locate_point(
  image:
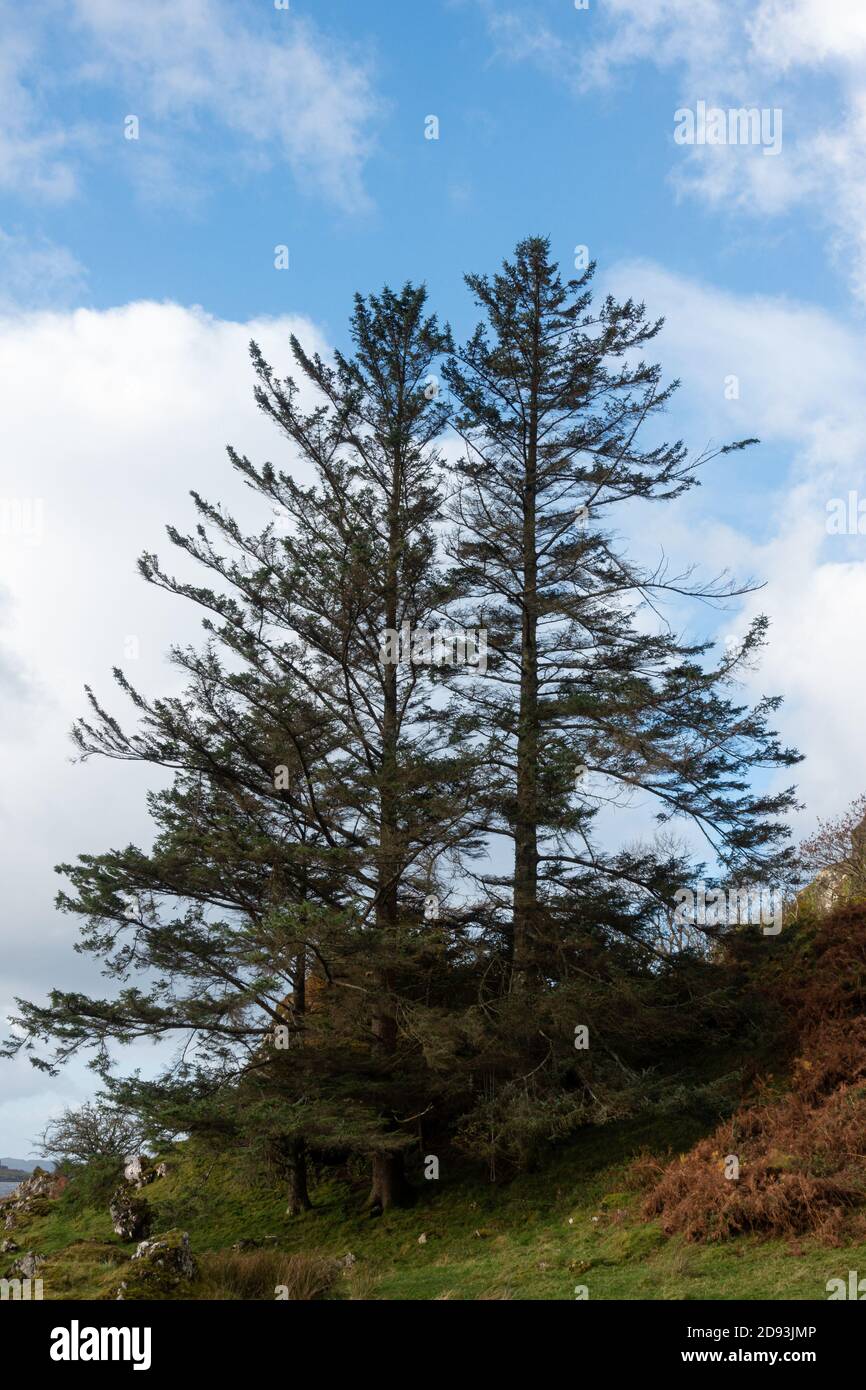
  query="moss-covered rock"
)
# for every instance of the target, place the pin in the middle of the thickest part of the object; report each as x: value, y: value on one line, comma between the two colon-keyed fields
x: 158, y: 1269
x: 30, y: 1199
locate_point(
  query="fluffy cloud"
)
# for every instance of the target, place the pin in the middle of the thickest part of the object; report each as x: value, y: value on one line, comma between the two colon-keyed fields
x: 808, y: 33
x: 287, y: 94
x: 35, y: 272
x: 734, y: 53
x: 802, y: 381
x: 34, y: 151
x: 275, y: 90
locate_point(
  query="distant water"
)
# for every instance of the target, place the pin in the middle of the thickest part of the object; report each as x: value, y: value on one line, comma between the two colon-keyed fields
x: 6, y: 1187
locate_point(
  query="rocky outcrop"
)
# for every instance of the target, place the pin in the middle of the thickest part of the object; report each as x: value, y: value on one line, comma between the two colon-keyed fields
x: 169, y: 1254
x: 131, y: 1216
x: 159, y: 1268
x: 30, y: 1198
x: 139, y: 1171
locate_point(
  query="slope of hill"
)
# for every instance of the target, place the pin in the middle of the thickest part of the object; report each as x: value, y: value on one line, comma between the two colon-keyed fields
x: 644, y: 1208
x: 579, y: 1225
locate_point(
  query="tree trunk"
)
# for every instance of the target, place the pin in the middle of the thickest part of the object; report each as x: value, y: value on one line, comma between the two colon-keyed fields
x: 390, y: 1188
x: 526, y: 820
x: 299, y: 1198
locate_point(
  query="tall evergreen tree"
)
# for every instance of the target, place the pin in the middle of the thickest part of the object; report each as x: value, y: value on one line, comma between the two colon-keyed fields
x: 306, y: 732
x: 553, y: 401
x: 361, y: 568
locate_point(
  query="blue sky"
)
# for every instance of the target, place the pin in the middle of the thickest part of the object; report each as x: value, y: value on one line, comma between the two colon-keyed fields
x: 134, y: 272
x: 192, y: 209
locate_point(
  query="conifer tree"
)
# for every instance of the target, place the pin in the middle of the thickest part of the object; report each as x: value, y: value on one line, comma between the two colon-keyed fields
x: 361, y: 568
x: 585, y: 687
x: 334, y: 793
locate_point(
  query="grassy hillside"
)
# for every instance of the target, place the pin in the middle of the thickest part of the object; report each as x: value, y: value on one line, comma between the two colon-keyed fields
x: 635, y: 1209
x: 578, y: 1223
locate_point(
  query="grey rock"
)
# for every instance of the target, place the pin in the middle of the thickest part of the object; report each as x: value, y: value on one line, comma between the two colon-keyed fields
x: 139, y: 1171
x: 27, y: 1265
x: 130, y: 1215
x: 170, y: 1254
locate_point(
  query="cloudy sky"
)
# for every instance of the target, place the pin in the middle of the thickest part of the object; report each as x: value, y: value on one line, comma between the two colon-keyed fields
x: 153, y: 157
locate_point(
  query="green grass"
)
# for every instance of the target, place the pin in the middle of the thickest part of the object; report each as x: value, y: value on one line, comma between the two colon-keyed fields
x: 538, y: 1237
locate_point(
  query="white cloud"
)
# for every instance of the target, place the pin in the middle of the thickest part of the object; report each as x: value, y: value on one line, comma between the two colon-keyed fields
x: 763, y: 513
x: 34, y: 272
x: 734, y: 53
x: 289, y: 95
x: 789, y: 33
x: 35, y: 150
x: 269, y: 90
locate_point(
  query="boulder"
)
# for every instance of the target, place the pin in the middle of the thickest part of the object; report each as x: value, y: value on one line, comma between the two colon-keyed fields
x: 158, y: 1268
x: 27, y: 1265
x: 139, y: 1171
x: 31, y: 1197
x: 169, y: 1254
x: 130, y: 1215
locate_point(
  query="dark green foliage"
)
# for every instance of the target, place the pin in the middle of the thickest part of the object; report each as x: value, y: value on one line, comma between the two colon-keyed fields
x: 91, y: 1184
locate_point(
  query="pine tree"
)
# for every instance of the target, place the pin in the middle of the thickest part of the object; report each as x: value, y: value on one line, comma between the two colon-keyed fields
x: 361, y: 559
x: 553, y: 401
x: 329, y: 789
